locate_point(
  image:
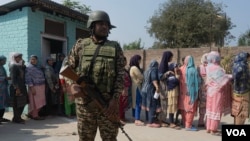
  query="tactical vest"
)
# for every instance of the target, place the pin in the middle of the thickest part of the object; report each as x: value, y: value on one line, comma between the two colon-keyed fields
x: 104, y: 69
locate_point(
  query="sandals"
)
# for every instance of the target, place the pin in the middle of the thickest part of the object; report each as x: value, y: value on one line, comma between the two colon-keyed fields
x: 38, y: 118
x: 216, y: 133
x: 4, y: 120
x: 164, y: 125
x: 139, y: 123
x: 20, y: 121
x: 29, y: 116
x: 35, y: 118
x: 191, y: 129
x: 174, y: 126
x: 201, y: 125
x: 154, y: 125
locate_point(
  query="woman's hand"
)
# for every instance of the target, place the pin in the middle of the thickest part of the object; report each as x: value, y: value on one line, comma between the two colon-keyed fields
x: 18, y: 92
x: 33, y: 90
x: 123, y: 93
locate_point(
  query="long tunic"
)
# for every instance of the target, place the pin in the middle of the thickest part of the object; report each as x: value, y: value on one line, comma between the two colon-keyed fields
x: 17, y: 74
x: 148, y: 91
x: 218, y: 92
x: 4, y: 95
x: 137, y: 78
x: 51, y: 81
x: 34, y: 77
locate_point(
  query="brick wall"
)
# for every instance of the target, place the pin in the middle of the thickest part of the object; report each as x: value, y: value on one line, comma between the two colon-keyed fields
x: 149, y: 54
x: 14, y: 25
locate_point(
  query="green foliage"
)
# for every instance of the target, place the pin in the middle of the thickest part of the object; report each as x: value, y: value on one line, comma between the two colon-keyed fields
x: 190, y: 23
x: 244, y: 39
x: 76, y: 5
x: 136, y: 45
x: 227, y: 63
x: 159, y: 45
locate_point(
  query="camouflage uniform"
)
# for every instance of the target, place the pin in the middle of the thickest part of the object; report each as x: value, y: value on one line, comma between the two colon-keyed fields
x: 89, y: 116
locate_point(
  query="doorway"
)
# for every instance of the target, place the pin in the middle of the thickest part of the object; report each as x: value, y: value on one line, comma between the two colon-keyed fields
x: 52, y: 46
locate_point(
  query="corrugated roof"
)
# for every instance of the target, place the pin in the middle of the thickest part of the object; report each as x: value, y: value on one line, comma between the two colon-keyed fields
x: 43, y: 5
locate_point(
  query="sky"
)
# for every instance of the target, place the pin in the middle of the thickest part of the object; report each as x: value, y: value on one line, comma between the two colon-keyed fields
x: 131, y: 17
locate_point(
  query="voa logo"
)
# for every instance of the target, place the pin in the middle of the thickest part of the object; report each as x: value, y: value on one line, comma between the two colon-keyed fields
x: 236, y: 132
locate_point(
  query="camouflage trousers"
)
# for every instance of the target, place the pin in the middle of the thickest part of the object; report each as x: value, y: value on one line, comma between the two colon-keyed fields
x: 89, y: 119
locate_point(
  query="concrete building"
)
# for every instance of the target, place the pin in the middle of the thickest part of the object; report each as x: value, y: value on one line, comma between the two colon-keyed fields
x: 40, y: 27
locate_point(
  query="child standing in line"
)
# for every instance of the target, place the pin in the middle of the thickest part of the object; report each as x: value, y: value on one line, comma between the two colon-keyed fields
x: 173, y: 93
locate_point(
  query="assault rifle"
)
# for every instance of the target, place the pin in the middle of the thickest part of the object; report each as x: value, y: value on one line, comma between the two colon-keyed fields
x: 90, y: 89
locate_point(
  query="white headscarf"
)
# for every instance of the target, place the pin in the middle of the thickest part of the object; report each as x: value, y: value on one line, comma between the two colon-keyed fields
x: 13, y: 55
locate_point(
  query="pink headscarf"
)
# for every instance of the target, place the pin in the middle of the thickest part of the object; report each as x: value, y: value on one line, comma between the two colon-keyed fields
x: 216, y: 76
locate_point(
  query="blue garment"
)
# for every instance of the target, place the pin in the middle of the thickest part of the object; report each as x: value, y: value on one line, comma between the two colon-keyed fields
x: 34, y: 75
x: 4, y: 94
x: 137, y: 111
x: 192, y: 79
x: 241, y: 73
x: 148, y: 90
x: 172, y: 82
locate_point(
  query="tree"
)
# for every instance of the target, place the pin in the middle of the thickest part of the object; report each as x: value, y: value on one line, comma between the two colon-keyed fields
x: 136, y: 45
x: 190, y: 23
x: 244, y: 39
x: 76, y: 5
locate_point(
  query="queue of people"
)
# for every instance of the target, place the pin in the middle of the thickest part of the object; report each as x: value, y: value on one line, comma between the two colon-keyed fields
x: 185, y: 88
x: 205, y: 90
x: 164, y: 90
x: 33, y: 85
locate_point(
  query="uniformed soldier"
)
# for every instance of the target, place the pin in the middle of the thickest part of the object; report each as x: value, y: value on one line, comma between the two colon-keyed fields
x: 107, y: 73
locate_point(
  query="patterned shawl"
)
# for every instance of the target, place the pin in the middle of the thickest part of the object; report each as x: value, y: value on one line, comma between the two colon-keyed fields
x: 241, y: 73
x: 215, y: 73
x: 219, y: 89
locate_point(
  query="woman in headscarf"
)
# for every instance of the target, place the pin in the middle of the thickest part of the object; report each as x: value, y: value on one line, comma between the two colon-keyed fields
x: 69, y: 104
x: 150, y: 90
x: 218, y: 92
x: 18, y: 91
x: 136, y: 75
x: 164, y: 72
x: 4, y: 93
x: 173, y: 94
x: 241, y: 91
x: 53, y: 106
x: 35, y: 80
x: 189, y: 86
x: 202, y: 91
x: 123, y: 105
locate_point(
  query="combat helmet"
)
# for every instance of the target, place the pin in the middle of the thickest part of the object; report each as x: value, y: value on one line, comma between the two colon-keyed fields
x: 99, y: 16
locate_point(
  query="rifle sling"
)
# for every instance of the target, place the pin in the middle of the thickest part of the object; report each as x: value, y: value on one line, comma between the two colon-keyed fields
x: 87, y: 79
